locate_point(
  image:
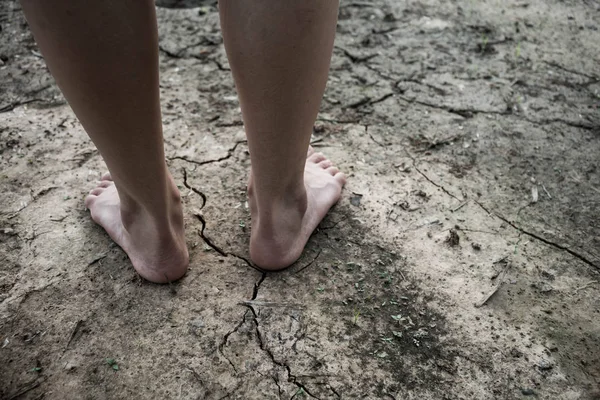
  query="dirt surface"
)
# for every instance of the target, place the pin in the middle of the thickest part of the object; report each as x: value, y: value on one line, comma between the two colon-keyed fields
x: 461, y: 263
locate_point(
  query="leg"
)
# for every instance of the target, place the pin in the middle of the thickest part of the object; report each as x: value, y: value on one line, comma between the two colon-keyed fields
x: 279, y: 53
x: 104, y: 57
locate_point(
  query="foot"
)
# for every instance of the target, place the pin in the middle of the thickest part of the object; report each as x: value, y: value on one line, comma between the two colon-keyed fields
x: 156, y: 247
x: 280, y: 233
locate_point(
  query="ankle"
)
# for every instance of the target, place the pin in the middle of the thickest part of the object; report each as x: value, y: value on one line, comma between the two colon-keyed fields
x: 161, y: 215
x: 274, y: 210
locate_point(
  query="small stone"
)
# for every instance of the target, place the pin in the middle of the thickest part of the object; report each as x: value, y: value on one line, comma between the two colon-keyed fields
x: 420, y: 333
x: 453, y: 239
x: 70, y: 366
x: 355, y: 200
x: 543, y: 287
x: 550, y: 275
x: 527, y: 392
x: 545, y: 365
x: 516, y: 353
x: 389, y: 17
x: 476, y: 246
x: 196, y: 325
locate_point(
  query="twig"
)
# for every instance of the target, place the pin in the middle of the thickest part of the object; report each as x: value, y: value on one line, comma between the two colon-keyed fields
x: 25, y: 389
x: 98, y: 258
x: 73, y: 332
x: 544, y: 187
x: 491, y: 294
x: 460, y: 206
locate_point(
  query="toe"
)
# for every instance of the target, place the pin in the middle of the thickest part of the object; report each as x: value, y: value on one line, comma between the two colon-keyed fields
x: 333, y: 170
x: 89, y: 200
x: 97, y: 191
x: 104, y: 184
x: 325, y: 164
x: 340, y: 177
x: 310, y: 151
x: 106, y: 177
x: 316, y: 157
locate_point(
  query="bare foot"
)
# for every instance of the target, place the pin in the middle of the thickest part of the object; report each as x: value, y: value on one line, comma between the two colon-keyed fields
x: 279, y: 235
x: 156, y: 248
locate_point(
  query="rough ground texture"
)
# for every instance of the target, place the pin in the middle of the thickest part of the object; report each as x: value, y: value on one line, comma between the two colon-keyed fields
x: 461, y: 263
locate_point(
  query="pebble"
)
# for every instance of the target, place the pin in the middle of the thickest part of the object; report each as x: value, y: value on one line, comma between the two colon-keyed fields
x: 545, y: 365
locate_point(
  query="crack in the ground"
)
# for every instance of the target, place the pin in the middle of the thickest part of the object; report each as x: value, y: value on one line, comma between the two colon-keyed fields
x: 339, y: 121
x: 311, y: 262
x: 201, y: 57
x: 436, y: 89
x: 371, y: 136
x: 335, y: 392
x: 248, y: 262
x: 414, y: 163
x: 226, y: 157
x: 536, y: 236
x: 367, y: 100
x: 463, y: 112
x: 573, y: 124
x: 470, y: 112
x: 192, y: 188
x: 34, y: 197
x: 235, y: 389
x: 291, y: 377
x: 571, y: 71
x: 257, y: 286
x: 178, y: 54
x: 206, y: 239
x: 218, y: 63
x: 278, y: 387
x: 218, y: 249
x: 13, y: 105
x: 355, y: 58
x: 226, y: 338
x: 229, y: 124
x: 239, y: 325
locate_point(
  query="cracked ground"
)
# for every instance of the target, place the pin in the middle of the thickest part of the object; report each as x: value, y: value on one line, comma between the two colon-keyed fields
x: 462, y: 262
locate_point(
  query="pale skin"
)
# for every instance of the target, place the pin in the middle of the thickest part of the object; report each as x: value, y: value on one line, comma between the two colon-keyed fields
x: 104, y: 57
